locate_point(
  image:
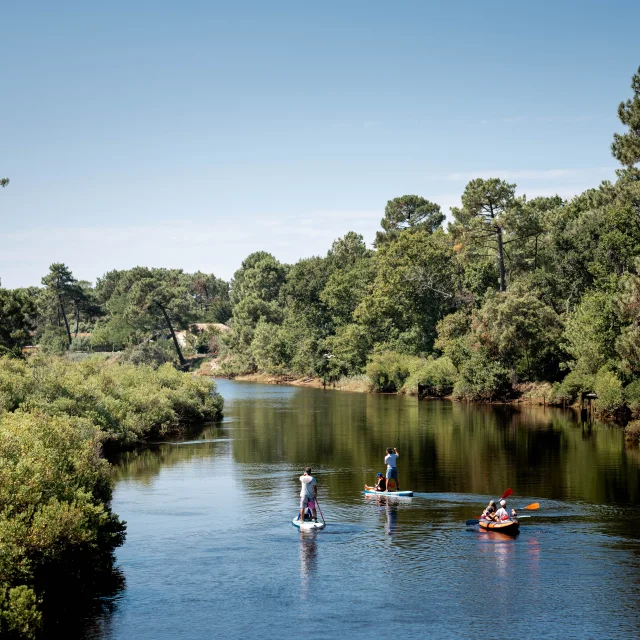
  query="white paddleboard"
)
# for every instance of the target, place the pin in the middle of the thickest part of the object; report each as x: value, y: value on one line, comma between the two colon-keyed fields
x: 307, y: 524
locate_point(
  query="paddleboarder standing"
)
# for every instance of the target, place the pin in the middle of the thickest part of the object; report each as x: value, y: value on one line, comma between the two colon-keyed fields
x: 308, y: 494
x: 392, y: 470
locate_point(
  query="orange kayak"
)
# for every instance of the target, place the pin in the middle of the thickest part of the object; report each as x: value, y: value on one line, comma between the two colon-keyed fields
x: 506, y: 526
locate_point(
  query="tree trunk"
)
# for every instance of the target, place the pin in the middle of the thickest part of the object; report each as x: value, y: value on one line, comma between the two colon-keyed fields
x: 173, y: 334
x: 64, y: 317
x: 503, y: 286
x: 77, y: 318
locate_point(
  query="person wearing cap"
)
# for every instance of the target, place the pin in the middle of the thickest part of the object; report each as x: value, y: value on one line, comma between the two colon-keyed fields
x: 501, y: 513
x: 381, y: 484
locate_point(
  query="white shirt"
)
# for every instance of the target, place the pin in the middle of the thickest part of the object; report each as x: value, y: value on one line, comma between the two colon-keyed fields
x: 502, y: 514
x: 390, y: 460
x: 308, y: 482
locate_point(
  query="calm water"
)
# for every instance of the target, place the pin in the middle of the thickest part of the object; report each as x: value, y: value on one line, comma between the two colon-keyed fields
x: 211, y: 552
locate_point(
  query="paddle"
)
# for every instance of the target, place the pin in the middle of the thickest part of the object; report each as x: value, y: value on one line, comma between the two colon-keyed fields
x: 320, y: 510
x: 531, y: 507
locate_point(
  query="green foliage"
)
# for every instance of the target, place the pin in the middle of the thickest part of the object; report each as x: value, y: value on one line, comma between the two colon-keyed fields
x: 522, y: 332
x: 632, y: 398
x: 414, y: 288
x: 482, y: 379
x: 54, y: 340
x: 153, y: 354
x: 408, y: 213
x: 437, y: 377
x: 591, y: 332
x: 626, y: 147
x: 17, y: 315
x: 572, y: 387
x: 608, y: 387
x: 632, y: 432
x: 128, y: 403
x: 54, y: 492
x: 388, y: 371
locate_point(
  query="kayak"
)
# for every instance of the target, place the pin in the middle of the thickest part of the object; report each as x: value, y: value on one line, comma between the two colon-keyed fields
x: 506, y: 526
x: 307, y: 525
x: 387, y: 493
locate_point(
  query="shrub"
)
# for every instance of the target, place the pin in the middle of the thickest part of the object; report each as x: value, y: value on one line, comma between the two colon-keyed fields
x: 54, y: 340
x: 360, y: 383
x: 632, y: 398
x: 154, y: 354
x: 81, y: 343
x: 388, y: 370
x: 609, y: 389
x: 437, y: 377
x: 482, y: 379
x: 632, y: 432
x: 572, y: 387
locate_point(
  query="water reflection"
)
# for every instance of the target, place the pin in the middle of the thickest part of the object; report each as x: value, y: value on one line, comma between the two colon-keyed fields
x: 211, y: 514
x: 308, y: 558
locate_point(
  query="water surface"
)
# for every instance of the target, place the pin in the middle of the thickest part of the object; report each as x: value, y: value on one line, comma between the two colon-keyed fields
x: 211, y: 552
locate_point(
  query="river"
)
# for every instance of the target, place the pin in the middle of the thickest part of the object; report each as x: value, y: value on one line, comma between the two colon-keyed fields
x: 211, y: 552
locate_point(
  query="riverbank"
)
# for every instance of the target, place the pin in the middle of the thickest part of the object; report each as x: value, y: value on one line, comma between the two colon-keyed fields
x: 529, y: 393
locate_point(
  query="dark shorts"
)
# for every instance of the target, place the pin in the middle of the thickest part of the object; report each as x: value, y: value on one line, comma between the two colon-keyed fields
x: 392, y: 473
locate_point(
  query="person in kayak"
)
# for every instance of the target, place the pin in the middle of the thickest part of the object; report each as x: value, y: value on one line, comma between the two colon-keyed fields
x: 490, y: 512
x: 392, y: 471
x: 381, y: 484
x: 308, y: 494
x: 502, y: 514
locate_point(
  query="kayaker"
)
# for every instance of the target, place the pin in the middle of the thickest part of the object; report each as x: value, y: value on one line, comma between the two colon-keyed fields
x: 381, y: 484
x: 392, y: 470
x: 308, y: 494
x: 501, y: 513
x: 490, y: 512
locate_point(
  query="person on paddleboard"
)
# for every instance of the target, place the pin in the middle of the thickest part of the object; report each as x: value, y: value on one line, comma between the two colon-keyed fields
x: 381, y: 484
x: 392, y: 470
x: 308, y: 494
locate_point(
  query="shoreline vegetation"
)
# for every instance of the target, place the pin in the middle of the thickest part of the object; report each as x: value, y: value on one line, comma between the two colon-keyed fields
x: 514, y: 296
x: 58, y: 533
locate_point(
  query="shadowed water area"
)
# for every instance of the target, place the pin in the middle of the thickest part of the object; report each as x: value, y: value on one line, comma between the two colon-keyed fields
x: 211, y: 552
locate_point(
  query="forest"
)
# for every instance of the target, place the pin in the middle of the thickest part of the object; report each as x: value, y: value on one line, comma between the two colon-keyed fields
x: 512, y: 291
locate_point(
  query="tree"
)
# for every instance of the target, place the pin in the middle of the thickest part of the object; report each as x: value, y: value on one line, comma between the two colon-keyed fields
x: 161, y: 298
x: 414, y: 287
x: 626, y: 147
x: 211, y: 296
x: 17, y: 316
x: 484, y: 206
x: 4, y: 182
x: 61, y: 288
x: 408, y: 212
x: 521, y: 332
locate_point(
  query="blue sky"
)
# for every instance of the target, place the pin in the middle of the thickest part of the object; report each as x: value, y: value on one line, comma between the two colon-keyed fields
x: 191, y: 134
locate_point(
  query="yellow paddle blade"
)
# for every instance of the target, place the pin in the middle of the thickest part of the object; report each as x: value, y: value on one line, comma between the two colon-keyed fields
x: 534, y: 505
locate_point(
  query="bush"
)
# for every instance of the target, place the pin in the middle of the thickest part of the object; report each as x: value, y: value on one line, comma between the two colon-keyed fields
x: 609, y: 389
x: 388, y: 371
x: 154, y: 354
x: 632, y: 398
x: 436, y: 377
x: 632, y: 432
x: 483, y: 380
x: 81, y: 343
x: 54, y: 340
x: 54, y: 495
x: 571, y: 388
